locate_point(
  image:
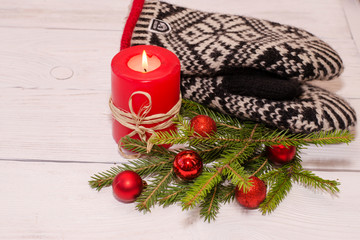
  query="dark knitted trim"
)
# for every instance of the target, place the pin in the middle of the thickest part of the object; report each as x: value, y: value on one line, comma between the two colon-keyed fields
x: 261, y: 84
x: 314, y: 110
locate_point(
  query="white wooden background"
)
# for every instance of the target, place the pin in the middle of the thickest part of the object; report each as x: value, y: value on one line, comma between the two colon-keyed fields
x: 55, y: 128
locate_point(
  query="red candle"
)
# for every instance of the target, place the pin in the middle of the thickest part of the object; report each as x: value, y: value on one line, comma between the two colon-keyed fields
x: 160, y: 78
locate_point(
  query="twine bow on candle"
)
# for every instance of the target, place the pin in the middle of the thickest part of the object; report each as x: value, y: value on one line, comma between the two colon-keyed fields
x: 136, y: 121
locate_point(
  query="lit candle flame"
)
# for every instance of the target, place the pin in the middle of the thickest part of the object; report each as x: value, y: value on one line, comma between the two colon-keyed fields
x: 144, y: 61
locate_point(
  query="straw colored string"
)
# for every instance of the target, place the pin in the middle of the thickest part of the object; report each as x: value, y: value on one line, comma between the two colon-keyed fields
x: 136, y: 121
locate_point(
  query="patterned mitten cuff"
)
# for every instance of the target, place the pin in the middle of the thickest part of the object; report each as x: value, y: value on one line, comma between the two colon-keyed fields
x: 211, y: 43
x: 314, y: 110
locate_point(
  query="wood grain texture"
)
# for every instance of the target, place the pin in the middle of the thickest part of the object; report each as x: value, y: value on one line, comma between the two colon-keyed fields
x: 55, y: 128
x: 109, y: 14
x: 352, y: 9
x: 53, y: 201
x: 75, y: 125
x: 69, y: 14
x: 39, y: 51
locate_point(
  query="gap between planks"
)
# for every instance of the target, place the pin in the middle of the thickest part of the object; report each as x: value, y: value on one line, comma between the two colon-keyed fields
x: 115, y: 164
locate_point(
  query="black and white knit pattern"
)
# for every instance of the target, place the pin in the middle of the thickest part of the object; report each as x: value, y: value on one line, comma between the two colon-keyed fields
x: 213, y: 46
x: 211, y: 43
x: 315, y: 110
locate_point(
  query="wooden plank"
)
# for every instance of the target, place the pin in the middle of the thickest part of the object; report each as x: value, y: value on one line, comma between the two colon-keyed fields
x: 57, y: 59
x: 75, y: 125
x: 70, y: 14
x: 53, y: 201
x: 109, y: 15
x: 352, y: 9
x: 314, y: 16
x: 56, y: 125
x: 76, y: 59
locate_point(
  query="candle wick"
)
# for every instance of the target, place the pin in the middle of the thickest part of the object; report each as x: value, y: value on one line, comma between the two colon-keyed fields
x: 145, y: 70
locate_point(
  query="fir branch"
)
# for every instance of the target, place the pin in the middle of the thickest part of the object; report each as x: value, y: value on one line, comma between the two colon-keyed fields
x: 258, y: 164
x: 271, y: 176
x: 260, y: 168
x: 227, y: 193
x: 200, y: 188
x: 169, y: 137
x: 282, y: 138
x: 237, y: 175
x: 208, y: 152
x: 104, y: 179
x: 226, y: 126
x: 139, y: 146
x: 147, y: 166
x: 149, y: 197
x: 171, y: 195
x: 316, y: 138
x: 210, y: 206
x: 230, y: 157
x: 231, y: 154
x: 211, y: 152
x: 277, y: 193
x: 319, y: 139
x: 255, y: 158
x: 309, y: 179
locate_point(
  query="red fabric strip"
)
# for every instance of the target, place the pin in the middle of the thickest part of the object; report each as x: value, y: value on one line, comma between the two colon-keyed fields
x: 130, y: 23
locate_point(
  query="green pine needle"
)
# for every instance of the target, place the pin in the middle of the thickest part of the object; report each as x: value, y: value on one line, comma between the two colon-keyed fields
x: 309, y: 179
x: 200, y: 188
x: 172, y: 194
x: 277, y: 193
x: 227, y: 193
x: 230, y: 156
x: 210, y: 206
x: 150, y: 196
x: 237, y: 175
x: 104, y: 179
x: 138, y: 146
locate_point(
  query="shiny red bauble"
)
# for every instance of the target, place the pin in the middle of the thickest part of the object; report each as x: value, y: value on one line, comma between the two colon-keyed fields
x: 203, y: 125
x: 280, y: 154
x: 127, y: 186
x: 254, y: 196
x: 187, y: 165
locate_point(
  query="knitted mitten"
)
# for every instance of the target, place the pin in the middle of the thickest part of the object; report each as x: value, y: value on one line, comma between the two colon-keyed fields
x: 215, y: 44
x: 245, y: 67
x: 314, y: 110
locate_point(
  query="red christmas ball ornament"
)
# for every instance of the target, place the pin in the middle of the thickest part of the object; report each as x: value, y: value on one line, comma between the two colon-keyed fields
x: 280, y: 154
x: 255, y: 194
x: 187, y: 165
x: 203, y: 125
x: 127, y: 186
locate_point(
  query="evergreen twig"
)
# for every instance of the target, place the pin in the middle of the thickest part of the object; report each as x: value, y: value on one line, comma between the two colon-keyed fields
x: 230, y: 157
x: 150, y: 196
x: 210, y: 207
